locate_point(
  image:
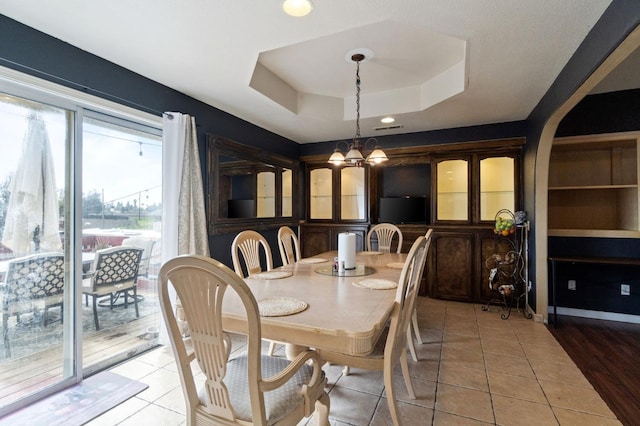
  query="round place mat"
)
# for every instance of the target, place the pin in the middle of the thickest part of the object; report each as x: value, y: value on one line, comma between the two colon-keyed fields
x: 271, y: 275
x: 312, y: 260
x: 369, y: 253
x: 376, y: 284
x: 395, y: 265
x: 280, y: 306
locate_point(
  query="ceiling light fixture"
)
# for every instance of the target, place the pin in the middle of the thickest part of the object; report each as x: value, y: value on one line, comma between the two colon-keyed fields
x: 297, y: 8
x: 387, y: 120
x: 355, y: 155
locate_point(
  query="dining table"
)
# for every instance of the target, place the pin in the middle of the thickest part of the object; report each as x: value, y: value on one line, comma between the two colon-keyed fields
x: 342, y: 311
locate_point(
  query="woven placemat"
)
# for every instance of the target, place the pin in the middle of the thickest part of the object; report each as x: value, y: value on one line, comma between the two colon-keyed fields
x: 280, y: 306
x: 369, y: 253
x: 312, y: 260
x: 395, y: 265
x: 272, y: 275
x: 376, y: 284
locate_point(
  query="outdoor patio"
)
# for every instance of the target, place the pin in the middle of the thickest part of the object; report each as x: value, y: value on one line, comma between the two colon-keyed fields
x: 36, y: 350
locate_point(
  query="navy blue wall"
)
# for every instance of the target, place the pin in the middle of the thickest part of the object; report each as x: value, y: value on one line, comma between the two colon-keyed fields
x: 24, y: 49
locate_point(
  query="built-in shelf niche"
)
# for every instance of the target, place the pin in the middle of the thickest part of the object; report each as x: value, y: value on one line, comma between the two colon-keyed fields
x: 593, y: 186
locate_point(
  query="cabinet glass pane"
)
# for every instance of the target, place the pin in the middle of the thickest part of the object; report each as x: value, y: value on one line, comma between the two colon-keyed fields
x: 453, y: 190
x: 320, y: 191
x: 287, y: 193
x: 266, y: 192
x: 352, y: 193
x: 496, y: 186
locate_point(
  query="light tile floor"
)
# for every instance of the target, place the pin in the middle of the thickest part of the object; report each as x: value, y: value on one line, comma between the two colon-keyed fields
x: 474, y: 369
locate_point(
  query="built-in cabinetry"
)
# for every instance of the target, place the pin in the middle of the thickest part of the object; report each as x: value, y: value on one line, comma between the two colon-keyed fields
x: 593, y: 186
x: 464, y: 186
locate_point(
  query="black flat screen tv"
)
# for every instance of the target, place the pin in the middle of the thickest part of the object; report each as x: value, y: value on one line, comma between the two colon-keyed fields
x: 404, y: 210
x: 241, y: 209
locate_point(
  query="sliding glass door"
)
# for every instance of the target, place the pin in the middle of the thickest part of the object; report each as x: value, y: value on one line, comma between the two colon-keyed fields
x: 75, y: 185
x: 121, y: 207
x: 36, y: 254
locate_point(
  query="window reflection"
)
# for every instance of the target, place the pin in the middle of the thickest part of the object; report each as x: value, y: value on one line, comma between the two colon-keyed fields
x: 453, y: 190
x: 496, y: 186
x: 352, y: 193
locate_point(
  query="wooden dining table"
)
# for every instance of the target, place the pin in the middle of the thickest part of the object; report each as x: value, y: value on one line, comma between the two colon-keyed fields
x: 340, y: 316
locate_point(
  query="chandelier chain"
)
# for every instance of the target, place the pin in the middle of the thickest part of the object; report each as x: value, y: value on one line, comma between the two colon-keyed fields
x: 357, y: 102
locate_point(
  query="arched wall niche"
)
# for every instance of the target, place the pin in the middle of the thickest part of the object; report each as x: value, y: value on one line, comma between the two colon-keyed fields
x: 543, y: 154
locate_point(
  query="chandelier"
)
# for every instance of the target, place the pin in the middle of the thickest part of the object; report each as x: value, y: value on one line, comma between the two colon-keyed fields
x: 356, y: 150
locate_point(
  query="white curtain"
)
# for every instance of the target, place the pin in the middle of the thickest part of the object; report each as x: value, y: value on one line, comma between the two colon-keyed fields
x: 184, y: 224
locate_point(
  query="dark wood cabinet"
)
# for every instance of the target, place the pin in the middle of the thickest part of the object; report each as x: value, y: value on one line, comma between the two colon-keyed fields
x: 484, y: 178
x: 451, y: 273
x: 316, y: 238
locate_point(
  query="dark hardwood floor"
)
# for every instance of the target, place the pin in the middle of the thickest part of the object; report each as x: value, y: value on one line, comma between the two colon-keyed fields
x: 608, y: 353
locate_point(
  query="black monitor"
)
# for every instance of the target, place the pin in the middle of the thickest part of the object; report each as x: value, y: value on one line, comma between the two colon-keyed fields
x: 399, y: 210
x: 241, y: 209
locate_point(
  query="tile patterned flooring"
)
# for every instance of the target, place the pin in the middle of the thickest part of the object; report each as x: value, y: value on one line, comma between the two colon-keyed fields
x: 474, y: 369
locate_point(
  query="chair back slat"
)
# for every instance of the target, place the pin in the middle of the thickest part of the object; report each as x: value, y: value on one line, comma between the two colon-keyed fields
x: 289, y: 245
x: 248, y: 243
x: 385, y: 232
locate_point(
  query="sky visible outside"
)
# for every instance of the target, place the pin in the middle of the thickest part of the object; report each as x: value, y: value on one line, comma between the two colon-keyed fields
x: 111, y: 157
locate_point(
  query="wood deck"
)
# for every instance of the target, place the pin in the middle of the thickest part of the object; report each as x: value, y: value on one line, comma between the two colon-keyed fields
x: 101, y: 349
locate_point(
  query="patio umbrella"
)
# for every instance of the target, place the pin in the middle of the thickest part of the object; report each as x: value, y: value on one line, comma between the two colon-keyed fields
x: 31, y: 223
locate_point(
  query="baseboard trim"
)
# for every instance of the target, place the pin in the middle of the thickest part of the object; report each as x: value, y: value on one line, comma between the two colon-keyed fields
x: 585, y: 313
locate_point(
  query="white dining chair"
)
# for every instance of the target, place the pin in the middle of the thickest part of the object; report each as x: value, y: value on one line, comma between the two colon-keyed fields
x: 392, y: 345
x: 289, y: 245
x: 246, y: 247
x: 248, y: 244
x: 248, y: 388
x: 385, y: 232
x: 414, y: 316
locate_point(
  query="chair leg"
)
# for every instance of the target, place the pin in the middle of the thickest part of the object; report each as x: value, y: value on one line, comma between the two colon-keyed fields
x: 322, y: 409
x: 135, y: 301
x: 5, y: 335
x: 391, y: 396
x: 412, y: 347
x: 95, y: 312
x: 272, y: 348
x: 404, y: 366
x: 416, y: 329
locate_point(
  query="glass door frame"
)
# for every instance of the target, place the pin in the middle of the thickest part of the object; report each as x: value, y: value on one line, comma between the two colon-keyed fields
x: 76, y: 104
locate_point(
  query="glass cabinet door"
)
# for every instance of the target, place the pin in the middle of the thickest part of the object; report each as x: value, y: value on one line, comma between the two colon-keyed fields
x: 453, y: 190
x: 266, y: 194
x: 320, y: 194
x: 287, y: 193
x: 497, y: 181
x: 352, y: 193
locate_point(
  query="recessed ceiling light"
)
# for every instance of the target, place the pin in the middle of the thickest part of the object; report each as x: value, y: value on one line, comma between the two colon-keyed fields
x: 387, y: 120
x: 297, y: 8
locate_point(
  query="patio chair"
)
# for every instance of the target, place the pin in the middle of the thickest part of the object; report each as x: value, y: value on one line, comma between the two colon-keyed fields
x: 146, y: 244
x: 414, y: 316
x: 385, y: 233
x: 32, y: 283
x: 392, y: 345
x: 234, y: 390
x: 114, y: 274
x: 248, y: 244
x: 289, y: 245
